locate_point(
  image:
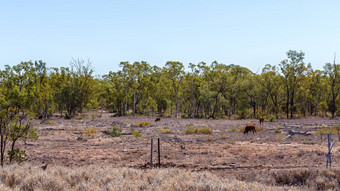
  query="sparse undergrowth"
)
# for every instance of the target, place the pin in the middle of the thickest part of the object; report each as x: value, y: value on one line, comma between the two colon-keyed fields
x: 191, y: 130
x: 308, y: 179
x: 115, y: 131
x: 90, y: 132
x: 165, y: 131
x: 143, y: 124
x: 50, y: 122
x: 105, y: 178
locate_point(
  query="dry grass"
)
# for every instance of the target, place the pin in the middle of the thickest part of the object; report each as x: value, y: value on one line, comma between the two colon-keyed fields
x: 165, y: 131
x: 191, y: 130
x: 105, y: 178
x: 308, y: 179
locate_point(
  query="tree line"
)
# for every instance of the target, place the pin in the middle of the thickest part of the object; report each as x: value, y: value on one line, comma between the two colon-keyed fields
x: 290, y: 89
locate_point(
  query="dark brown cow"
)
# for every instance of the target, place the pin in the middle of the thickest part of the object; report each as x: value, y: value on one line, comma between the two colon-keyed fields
x: 249, y: 128
x: 261, y: 120
x: 158, y: 119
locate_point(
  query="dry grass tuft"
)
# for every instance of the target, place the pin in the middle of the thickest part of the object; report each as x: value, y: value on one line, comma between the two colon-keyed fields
x: 105, y: 178
x: 165, y: 131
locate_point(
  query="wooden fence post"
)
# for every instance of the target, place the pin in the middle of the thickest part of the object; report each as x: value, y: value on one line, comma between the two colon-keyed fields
x: 159, y: 154
x: 151, y: 154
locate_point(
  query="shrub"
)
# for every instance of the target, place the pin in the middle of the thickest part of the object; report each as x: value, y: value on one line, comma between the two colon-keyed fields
x: 280, y: 138
x: 224, y: 136
x: 90, y: 132
x: 115, y: 131
x: 208, y: 138
x: 143, y: 123
x: 271, y: 118
x: 50, y: 122
x: 136, y: 134
x: 277, y: 130
x: 165, y: 131
x: 204, y: 130
x: 233, y: 129
x: 17, y: 155
x: 190, y: 130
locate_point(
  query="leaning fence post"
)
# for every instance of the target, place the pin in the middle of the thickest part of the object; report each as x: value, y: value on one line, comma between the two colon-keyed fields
x: 151, y: 154
x: 159, y: 154
x: 329, y: 159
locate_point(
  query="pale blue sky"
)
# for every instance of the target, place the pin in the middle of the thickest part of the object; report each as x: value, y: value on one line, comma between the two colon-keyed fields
x: 248, y: 33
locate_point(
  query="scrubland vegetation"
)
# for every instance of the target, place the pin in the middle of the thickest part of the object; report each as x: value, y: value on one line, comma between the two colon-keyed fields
x: 30, y: 92
x: 106, y: 178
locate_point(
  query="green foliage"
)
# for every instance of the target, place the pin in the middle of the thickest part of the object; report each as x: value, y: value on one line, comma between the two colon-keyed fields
x: 50, y: 122
x: 204, y: 130
x: 271, y: 118
x: 115, y: 131
x: 136, y: 134
x: 233, y: 129
x: 280, y: 138
x: 277, y: 130
x: 17, y: 155
x: 191, y: 130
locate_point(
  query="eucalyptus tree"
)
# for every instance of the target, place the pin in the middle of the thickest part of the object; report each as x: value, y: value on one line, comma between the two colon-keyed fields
x: 161, y: 91
x: 114, y: 92
x: 77, y: 86
x: 271, y: 82
x: 332, y: 72
x: 14, y: 110
x: 217, y: 82
x: 315, y: 90
x: 174, y: 72
x: 294, y: 71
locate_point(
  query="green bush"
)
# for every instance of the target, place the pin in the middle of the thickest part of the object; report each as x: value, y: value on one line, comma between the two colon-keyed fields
x: 204, y: 130
x: 191, y: 130
x: 50, y: 122
x: 277, y: 130
x: 115, y: 131
x: 17, y: 155
x: 136, y: 134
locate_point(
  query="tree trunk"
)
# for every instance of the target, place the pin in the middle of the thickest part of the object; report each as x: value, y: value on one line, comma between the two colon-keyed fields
x: 134, y: 100
x: 125, y: 107
x: 292, y: 105
x: 192, y: 98
x: 176, y: 104
x: 12, y: 151
x: 2, y: 149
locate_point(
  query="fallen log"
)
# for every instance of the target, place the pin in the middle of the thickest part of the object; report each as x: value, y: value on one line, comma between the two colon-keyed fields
x: 292, y: 132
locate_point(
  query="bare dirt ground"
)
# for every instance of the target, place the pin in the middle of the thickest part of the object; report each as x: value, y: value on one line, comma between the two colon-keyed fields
x: 224, y: 152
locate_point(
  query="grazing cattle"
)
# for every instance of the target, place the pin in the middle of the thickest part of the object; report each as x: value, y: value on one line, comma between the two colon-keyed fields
x: 261, y: 120
x: 158, y: 119
x: 249, y: 128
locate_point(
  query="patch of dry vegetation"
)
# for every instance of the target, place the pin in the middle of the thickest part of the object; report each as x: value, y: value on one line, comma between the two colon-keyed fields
x: 105, y: 178
x: 191, y: 130
x: 308, y: 179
